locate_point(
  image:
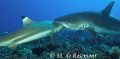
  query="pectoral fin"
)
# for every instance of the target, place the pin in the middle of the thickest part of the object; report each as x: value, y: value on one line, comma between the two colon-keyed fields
x: 52, y: 35
x: 13, y: 47
x: 92, y: 32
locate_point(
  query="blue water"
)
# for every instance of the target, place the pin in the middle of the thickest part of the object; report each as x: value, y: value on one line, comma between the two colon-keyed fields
x: 39, y: 10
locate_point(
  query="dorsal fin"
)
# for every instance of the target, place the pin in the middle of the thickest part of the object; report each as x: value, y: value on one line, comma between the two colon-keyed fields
x: 26, y: 21
x: 108, y: 8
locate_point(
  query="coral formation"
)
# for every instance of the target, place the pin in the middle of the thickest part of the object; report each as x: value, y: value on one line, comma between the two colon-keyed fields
x: 66, y: 46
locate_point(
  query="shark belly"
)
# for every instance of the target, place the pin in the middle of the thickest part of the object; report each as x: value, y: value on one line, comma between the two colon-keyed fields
x: 102, y: 30
x: 34, y: 37
x: 24, y: 40
x: 6, y: 43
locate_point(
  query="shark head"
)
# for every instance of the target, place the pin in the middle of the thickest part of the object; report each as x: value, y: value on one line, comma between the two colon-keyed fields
x: 83, y: 20
x: 69, y: 21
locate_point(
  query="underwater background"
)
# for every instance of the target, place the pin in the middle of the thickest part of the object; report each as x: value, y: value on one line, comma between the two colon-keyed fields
x: 67, y: 41
x: 38, y: 10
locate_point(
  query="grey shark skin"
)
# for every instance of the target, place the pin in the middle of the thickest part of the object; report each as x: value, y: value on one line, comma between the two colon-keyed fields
x: 94, y: 22
x: 30, y: 31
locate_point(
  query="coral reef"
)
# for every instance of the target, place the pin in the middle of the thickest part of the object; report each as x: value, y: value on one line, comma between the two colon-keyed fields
x: 68, y: 44
x: 25, y: 52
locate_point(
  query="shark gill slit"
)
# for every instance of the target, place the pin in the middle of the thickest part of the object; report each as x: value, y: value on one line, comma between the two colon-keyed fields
x: 84, y: 25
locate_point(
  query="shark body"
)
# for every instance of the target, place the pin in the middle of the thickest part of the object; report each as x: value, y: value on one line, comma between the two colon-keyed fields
x: 94, y: 22
x: 30, y: 31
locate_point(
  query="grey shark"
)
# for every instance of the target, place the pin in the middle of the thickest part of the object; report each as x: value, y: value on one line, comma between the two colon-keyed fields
x: 30, y: 31
x: 94, y: 22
